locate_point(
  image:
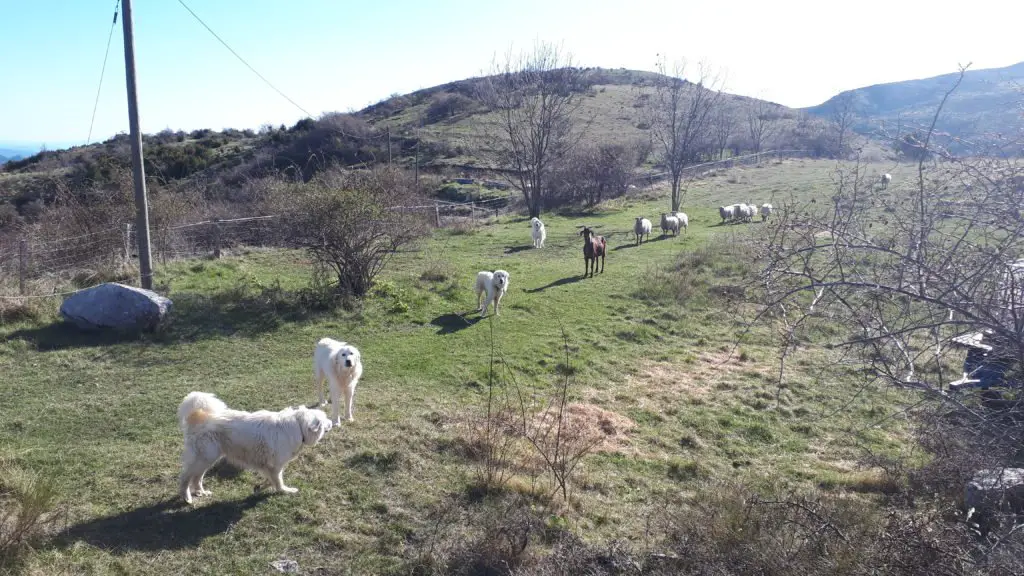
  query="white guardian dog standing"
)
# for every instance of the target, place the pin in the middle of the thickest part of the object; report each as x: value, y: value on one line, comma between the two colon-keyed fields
x: 494, y: 285
x: 263, y: 441
x: 342, y: 365
x: 538, y: 233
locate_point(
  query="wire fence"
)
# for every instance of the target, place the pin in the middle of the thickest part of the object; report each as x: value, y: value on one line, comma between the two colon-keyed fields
x: 40, y: 265
x: 37, y: 266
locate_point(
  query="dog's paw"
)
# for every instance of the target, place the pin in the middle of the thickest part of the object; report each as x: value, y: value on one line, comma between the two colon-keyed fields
x: 351, y: 418
x: 204, y: 493
x: 289, y: 490
x: 336, y: 422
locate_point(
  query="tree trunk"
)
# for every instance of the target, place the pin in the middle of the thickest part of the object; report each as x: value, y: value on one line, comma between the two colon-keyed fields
x: 676, y: 200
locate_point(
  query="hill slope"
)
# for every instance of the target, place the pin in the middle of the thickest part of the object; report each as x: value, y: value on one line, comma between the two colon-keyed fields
x: 987, y: 102
x: 439, y: 127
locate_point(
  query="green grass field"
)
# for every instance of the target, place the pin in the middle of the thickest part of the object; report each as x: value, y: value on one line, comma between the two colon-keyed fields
x: 661, y: 340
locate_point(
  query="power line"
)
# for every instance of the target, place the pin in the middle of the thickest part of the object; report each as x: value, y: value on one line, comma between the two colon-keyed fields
x: 242, y: 60
x: 102, y: 71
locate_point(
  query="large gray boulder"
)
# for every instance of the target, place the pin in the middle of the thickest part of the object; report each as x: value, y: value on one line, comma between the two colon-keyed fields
x: 995, y: 489
x: 116, y: 306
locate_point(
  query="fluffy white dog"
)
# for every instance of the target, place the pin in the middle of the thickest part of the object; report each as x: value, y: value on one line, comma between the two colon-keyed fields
x: 538, y: 233
x: 341, y: 364
x: 263, y: 441
x: 494, y: 284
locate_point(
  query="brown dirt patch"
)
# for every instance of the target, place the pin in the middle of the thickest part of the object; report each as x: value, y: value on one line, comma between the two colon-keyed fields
x: 586, y: 425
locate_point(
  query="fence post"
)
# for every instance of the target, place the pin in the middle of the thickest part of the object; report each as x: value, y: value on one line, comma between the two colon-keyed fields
x: 216, y: 237
x: 22, y: 265
x: 128, y: 242
x: 437, y: 214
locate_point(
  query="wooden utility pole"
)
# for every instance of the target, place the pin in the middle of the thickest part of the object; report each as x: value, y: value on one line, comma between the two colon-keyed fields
x: 138, y: 172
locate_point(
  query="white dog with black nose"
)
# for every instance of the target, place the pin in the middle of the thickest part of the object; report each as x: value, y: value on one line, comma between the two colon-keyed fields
x: 342, y: 365
x: 263, y: 441
x: 494, y: 285
x: 538, y: 233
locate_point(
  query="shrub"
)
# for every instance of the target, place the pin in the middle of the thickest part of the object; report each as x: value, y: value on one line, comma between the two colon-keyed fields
x: 28, y: 509
x: 348, y: 222
x: 592, y: 175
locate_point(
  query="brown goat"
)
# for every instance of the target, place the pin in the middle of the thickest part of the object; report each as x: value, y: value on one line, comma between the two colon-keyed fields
x: 594, y: 247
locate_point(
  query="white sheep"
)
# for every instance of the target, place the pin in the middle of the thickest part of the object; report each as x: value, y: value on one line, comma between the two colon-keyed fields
x: 640, y: 227
x: 766, y: 211
x: 886, y: 178
x: 684, y: 220
x: 726, y: 212
x: 742, y: 211
x: 538, y: 232
x: 669, y: 223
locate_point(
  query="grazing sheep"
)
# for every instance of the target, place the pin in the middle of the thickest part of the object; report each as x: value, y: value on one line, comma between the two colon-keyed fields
x: 684, y: 220
x: 594, y: 247
x: 669, y: 223
x: 641, y: 227
x: 726, y: 212
x: 538, y: 233
x: 740, y: 214
x: 766, y: 211
x: 886, y: 179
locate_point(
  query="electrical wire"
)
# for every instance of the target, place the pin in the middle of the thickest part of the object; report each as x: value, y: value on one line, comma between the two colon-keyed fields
x: 242, y: 60
x: 106, y: 54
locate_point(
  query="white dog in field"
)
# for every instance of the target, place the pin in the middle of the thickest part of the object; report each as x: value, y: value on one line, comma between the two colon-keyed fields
x: 538, y: 233
x: 263, y: 441
x: 341, y: 364
x: 494, y: 285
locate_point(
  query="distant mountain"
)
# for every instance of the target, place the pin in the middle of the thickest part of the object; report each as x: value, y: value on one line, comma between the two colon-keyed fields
x: 15, y: 153
x: 988, y: 102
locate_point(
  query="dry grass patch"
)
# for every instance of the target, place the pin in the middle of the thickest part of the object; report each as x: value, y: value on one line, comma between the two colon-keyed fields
x: 589, y: 424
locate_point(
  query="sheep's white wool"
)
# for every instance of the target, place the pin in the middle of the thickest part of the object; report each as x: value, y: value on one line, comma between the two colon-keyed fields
x: 342, y: 365
x: 263, y: 441
x: 727, y: 212
x: 538, y: 232
x: 642, y: 227
x: 684, y: 220
x: 494, y: 285
x: 669, y: 223
x: 766, y: 211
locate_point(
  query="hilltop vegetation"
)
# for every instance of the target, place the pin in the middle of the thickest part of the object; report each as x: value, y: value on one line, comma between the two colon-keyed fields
x: 442, y: 130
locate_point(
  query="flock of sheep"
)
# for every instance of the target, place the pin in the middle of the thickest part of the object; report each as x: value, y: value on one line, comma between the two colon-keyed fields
x: 744, y: 212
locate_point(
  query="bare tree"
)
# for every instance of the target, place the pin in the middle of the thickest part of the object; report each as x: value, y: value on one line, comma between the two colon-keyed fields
x: 680, y: 113
x: 350, y: 222
x: 762, y: 119
x: 909, y: 281
x: 843, y: 115
x: 537, y: 97
x: 723, y: 126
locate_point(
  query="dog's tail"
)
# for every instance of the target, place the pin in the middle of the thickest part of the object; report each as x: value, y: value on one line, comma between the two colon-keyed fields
x: 196, y: 408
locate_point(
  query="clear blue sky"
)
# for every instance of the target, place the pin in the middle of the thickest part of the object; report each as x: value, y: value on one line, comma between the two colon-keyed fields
x: 332, y: 55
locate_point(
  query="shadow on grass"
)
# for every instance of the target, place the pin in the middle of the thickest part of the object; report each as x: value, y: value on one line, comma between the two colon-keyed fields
x: 647, y: 240
x: 555, y: 284
x: 517, y: 249
x: 231, y: 312
x: 167, y: 525
x: 450, y: 323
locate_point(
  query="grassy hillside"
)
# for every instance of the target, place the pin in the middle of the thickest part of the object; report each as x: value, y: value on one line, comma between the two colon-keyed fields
x: 988, y: 102
x: 440, y: 128
x: 665, y: 368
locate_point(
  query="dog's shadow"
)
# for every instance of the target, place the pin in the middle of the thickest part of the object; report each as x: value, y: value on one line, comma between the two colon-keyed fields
x: 166, y: 525
x: 555, y: 284
x: 451, y: 323
x: 517, y: 249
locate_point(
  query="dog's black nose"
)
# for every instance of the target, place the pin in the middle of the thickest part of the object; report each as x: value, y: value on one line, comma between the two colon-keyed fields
x: 348, y: 363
